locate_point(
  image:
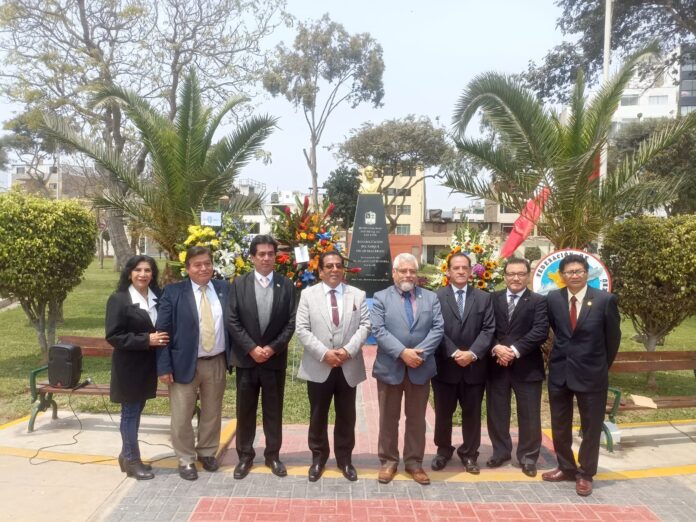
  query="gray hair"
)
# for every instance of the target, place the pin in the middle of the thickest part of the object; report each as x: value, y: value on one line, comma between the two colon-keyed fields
x: 404, y: 258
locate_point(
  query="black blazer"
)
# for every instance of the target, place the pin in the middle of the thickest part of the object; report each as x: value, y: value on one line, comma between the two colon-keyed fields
x: 472, y: 332
x: 243, y: 321
x: 133, y: 364
x: 526, y: 331
x: 580, y: 359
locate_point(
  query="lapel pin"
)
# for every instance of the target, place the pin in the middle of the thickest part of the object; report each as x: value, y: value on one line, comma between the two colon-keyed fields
x: 589, y: 303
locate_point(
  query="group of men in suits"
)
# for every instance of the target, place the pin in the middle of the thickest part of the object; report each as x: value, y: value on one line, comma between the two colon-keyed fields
x: 466, y: 341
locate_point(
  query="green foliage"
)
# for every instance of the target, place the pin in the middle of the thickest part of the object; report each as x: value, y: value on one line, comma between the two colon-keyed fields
x: 325, y: 57
x: 532, y: 253
x: 342, y: 188
x: 536, y: 151
x: 677, y: 160
x: 633, y: 23
x: 189, y: 172
x: 653, y: 264
x: 45, y: 246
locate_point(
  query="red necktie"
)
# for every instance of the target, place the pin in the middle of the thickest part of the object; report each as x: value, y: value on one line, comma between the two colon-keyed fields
x: 573, y: 313
x: 334, y: 307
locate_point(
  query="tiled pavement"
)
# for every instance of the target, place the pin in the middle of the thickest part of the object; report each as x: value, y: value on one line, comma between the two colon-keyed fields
x: 504, y: 494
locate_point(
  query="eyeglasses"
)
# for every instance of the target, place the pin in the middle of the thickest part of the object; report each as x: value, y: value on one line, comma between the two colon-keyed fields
x: 570, y: 273
x: 332, y: 266
x: 407, y: 271
x: 512, y: 275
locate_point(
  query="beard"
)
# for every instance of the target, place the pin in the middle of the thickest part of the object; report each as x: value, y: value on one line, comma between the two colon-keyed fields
x: 405, y: 286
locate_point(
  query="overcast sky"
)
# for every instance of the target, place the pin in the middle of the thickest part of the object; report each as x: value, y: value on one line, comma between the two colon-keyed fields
x: 432, y: 49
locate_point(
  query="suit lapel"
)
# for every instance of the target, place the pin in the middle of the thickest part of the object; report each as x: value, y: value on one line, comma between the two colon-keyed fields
x: 402, y: 311
x: 468, y: 303
x: 347, y: 309
x: 565, y: 316
x: 190, y: 299
x: 251, y: 305
x: 522, y: 302
x: 586, y: 306
x: 318, y: 295
x: 452, y: 302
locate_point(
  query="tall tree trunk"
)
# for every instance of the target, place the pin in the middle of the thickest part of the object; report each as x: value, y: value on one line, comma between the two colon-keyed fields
x: 36, y: 313
x: 650, y: 343
x: 55, y: 313
x: 119, y: 240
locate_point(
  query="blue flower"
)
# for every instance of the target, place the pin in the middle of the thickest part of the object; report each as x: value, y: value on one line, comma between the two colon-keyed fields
x: 307, y: 277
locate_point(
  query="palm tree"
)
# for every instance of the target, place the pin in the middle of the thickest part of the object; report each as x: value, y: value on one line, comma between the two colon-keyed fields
x: 187, y: 171
x: 537, y: 151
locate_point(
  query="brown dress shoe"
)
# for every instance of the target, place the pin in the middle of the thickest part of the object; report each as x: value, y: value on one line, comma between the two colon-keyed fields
x: 583, y: 487
x: 556, y: 475
x: 386, y: 474
x: 419, y: 476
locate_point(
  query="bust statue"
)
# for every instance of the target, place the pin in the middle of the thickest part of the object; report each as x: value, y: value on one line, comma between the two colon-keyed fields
x: 369, y: 185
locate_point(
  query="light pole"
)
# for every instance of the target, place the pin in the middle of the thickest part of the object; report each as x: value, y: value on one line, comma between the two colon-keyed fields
x: 605, y: 78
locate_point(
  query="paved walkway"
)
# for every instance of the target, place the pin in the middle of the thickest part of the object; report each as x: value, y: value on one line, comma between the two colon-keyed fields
x: 652, y: 476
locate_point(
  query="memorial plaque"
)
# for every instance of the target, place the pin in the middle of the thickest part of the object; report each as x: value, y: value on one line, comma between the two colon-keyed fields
x: 369, y: 246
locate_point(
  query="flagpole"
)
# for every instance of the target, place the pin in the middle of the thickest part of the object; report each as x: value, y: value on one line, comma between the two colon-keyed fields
x: 605, y: 78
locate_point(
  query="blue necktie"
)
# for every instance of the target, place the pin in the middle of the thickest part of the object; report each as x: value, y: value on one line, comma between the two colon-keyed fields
x: 408, y: 307
x: 460, y: 302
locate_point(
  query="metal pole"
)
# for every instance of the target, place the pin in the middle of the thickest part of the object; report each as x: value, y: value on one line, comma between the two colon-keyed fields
x: 605, y: 78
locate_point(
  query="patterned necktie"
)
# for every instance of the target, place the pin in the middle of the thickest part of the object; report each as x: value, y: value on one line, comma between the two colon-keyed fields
x: 207, y: 327
x: 511, y: 305
x: 460, y: 302
x: 334, y: 308
x: 264, y: 281
x: 408, y: 307
x: 573, y: 313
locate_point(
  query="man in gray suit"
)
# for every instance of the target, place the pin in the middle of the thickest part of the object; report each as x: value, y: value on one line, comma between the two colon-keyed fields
x: 332, y: 323
x: 408, y: 325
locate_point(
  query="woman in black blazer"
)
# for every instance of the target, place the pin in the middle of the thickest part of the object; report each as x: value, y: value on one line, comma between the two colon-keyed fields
x: 131, y: 313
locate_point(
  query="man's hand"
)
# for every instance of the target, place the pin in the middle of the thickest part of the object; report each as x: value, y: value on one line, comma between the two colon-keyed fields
x: 464, y: 358
x: 167, y: 378
x: 260, y: 355
x: 412, y: 357
x: 342, y: 354
x: 504, y: 354
x: 332, y: 358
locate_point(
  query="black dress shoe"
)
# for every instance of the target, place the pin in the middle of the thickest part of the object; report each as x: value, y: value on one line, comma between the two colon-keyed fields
x: 470, y: 465
x: 315, y: 472
x: 439, y: 462
x: 241, y: 470
x: 277, y: 467
x: 529, y: 469
x: 188, y: 472
x: 349, y: 472
x: 122, y: 463
x: 209, y: 463
x: 496, y: 462
x: 135, y: 469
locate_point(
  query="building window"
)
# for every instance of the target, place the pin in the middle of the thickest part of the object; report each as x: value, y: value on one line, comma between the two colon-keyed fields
x: 398, y: 192
x: 687, y: 109
x: 629, y: 100
x: 403, y: 230
x: 20, y: 170
x: 507, y: 228
x: 53, y: 170
x: 400, y: 210
x: 388, y: 171
x: 411, y: 171
x: 439, y: 227
x: 506, y: 210
x: 53, y: 186
x: 657, y: 100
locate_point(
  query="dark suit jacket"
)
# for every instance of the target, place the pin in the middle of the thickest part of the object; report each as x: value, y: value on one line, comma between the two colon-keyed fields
x: 526, y: 331
x: 243, y: 322
x: 472, y: 332
x: 133, y: 363
x: 580, y: 359
x: 178, y: 316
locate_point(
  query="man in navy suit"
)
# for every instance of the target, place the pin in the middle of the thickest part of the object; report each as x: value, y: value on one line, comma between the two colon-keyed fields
x: 521, y: 327
x: 194, y: 362
x: 587, y: 333
x: 407, y: 323
x: 461, y: 363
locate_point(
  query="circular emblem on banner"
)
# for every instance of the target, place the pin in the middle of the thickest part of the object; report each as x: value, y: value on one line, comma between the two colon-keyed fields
x: 547, y: 275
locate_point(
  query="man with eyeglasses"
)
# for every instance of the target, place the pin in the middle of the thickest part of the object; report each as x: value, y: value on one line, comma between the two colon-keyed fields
x: 407, y: 323
x: 332, y: 324
x: 461, y: 362
x: 587, y: 329
x: 521, y: 327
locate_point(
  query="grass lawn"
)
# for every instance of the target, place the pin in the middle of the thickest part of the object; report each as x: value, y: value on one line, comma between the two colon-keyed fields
x: 84, y: 315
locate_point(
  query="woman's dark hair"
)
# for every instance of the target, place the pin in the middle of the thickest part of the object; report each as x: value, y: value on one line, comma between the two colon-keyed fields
x: 125, y: 281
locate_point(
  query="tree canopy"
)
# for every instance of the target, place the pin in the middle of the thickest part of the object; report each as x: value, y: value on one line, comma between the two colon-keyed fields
x: 325, y: 68
x: 45, y: 247
x: 538, y: 154
x: 342, y: 188
x: 634, y: 24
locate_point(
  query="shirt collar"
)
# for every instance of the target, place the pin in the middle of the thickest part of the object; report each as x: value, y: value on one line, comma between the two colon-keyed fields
x: 580, y: 296
x: 259, y: 276
x: 327, y: 289
x: 137, y: 298
x: 455, y: 290
x: 196, y: 286
x: 509, y: 293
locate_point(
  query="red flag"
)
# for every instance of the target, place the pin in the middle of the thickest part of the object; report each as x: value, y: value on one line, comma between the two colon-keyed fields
x: 525, y: 223
x: 595, y: 172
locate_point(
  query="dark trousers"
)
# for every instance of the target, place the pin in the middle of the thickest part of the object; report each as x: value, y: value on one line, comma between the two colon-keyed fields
x: 271, y: 385
x: 320, y: 396
x: 499, y: 390
x: 469, y: 397
x: 592, y: 408
x: 130, y: 424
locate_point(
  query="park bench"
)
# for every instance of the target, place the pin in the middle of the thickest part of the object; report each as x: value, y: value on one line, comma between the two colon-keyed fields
x: 635, y: 362
x: 42, y: 392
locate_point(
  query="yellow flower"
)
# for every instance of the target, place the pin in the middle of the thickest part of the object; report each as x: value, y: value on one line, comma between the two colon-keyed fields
x: 443, y: 266
x: 182, y: 256
x: 481, y: 284
x: 303, y: 235
x: 456, y: 249
x: 290, y: 275
x: 239, y: 262
x: 315, y: 229
x: 192, y: 229
x: 487, y: 275
x: 215, y: 243
x: 490, y: 265
x: 478, y: 249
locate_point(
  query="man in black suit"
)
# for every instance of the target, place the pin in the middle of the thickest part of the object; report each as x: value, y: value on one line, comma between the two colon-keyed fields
x: 461, y: 363
x: 587, y: 329
x: 521, y: 327
x: 261, y: 322
x: 193, y: 363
